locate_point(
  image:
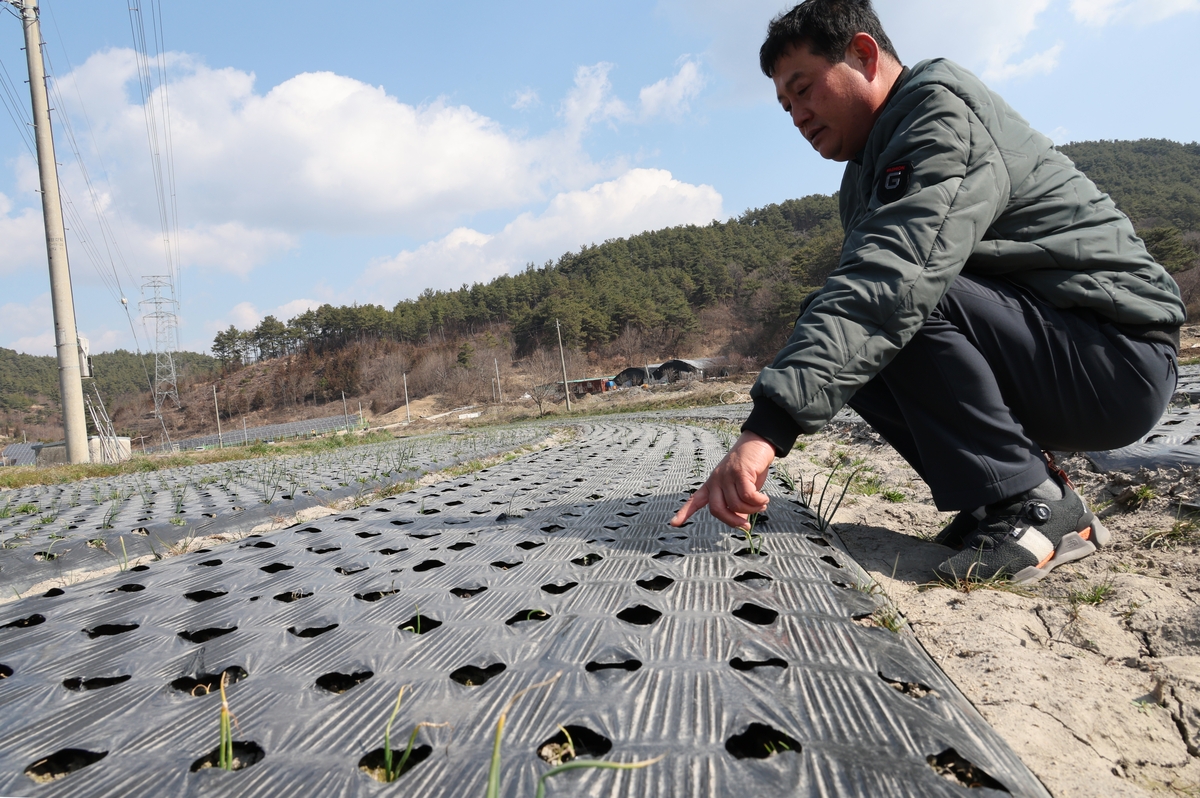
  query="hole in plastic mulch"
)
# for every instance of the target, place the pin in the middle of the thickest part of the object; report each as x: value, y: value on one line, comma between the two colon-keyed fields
x: 419, y: 624
x: 373, y: 764
x: 558, y: 590
x: 291, y: 595
x: 528, y: 615
x: 831, y: 561
x: 110, y: 629
x: 588, y: 559
x: 262, y: 544
x: 341, y: 682
x: 205, y: 683
x: 460, y: 546
x: 630, y: 665
x: 276, y: 567
x: 528, y: 545
x: 54, y: 591
x: 552, y: 528
x: 204, y: 595
x: 467, y: 592
x: 22, y: 623
x: 132, y: 587
x: 365, y: 535
x: 350, y: 570
x: 756, y: 614
x: 206, y: 564
x: 5, y: 671
x: 471, y: 676
x: 79, y: 684
x: 760, y: 741
x: 311, y: 631
x: 428, y: 565
x: 556, y: 750
x: 657, y: 584
x: 641, y: 615
x: 245, y: 754
x: 324, y: 549
x: 666, y: 555
x: 739, y: 664
x: 204, y: 635
x: 914, y: 689
x: 950, y: 765
x: 503, y: 566
x: 62, y: 763
x: 750, y: 577
x: 375, y: 595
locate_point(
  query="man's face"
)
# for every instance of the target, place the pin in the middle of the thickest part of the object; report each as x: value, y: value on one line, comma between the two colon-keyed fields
x: 830, y: 103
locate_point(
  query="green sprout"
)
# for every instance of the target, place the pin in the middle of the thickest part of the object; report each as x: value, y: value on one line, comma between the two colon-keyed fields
x: 225, y: 748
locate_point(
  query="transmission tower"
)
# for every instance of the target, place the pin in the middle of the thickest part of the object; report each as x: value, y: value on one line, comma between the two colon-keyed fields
x: 163, y: 307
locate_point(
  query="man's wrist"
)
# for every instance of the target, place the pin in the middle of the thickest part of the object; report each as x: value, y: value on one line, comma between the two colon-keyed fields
x: 772, y: 423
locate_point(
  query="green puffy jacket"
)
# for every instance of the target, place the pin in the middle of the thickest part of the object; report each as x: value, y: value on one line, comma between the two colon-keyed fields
x: 952, y: 180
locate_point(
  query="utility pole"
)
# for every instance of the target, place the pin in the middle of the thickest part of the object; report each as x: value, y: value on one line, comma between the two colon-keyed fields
x: 563, y: 359
x: 220, y: 442
x: 498, y: 386
x: 407, y: 414
x: 66, y: 338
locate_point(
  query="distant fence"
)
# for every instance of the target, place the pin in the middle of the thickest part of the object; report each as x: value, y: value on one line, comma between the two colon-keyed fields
x: 238, y: 436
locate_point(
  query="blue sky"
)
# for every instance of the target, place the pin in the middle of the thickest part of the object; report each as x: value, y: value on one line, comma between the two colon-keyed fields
x: 366, y: 152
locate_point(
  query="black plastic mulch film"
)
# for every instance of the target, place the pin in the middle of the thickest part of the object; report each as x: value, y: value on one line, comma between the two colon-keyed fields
x: 56, y: 531
x: 747, y: 670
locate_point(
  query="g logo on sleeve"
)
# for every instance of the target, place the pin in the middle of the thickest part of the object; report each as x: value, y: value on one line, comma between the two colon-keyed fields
x: 894, y: 182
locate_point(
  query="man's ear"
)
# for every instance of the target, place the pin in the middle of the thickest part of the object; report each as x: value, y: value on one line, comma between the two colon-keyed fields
x: 862, y: 54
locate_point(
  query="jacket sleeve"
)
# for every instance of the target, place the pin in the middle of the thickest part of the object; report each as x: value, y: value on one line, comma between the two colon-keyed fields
x: 898, y: 261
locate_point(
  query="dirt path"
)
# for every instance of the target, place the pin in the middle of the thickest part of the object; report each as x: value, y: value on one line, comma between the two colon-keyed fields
x: 1093, y: 675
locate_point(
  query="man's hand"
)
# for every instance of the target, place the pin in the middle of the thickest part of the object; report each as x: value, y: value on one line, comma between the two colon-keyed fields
x: 733, y: 490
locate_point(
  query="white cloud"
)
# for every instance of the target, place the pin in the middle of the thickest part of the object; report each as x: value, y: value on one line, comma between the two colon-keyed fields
x: 591, y: 100
x: 1104, y: 12
x: 989, y: 36
x: 29, y: 327
x: 639, y: 200
x: 245, y: 316
x: 1038, y: 64
x: 24, y: 238
x: 229, y: 246
x: 526, y: 98
x: 669, y: 97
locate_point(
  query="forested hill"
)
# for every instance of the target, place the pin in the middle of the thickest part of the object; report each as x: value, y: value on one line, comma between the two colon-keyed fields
x: 25, y: 378
x: 1156, y: 182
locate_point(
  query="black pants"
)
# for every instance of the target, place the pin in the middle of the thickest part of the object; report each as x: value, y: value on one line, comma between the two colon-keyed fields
x: 996, y: 375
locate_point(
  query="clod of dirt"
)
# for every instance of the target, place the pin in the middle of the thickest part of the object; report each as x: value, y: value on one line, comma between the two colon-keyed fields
x: 583, y: 742
x: 245, y: 754
x: 760, y: 741
x: 952, y: 767
x: 62, y: 763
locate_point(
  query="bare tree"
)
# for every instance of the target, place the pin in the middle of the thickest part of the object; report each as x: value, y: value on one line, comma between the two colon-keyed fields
x: 543, y: 375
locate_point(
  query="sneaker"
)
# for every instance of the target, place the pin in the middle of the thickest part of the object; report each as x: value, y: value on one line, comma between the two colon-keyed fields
x: 1026, y: 537
x: 955, y: 534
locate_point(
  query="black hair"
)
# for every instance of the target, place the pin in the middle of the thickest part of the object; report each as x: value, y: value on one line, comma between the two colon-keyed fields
x: 826, y: 26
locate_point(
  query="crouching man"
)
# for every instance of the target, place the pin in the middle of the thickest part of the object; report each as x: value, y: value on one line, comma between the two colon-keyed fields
x: 990, y: 302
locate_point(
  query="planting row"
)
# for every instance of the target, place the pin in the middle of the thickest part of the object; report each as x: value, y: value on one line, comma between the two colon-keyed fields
x: 540, y: 608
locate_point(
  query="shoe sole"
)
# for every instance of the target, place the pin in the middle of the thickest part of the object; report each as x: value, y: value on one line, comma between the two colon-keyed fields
x: 1073, y: 547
